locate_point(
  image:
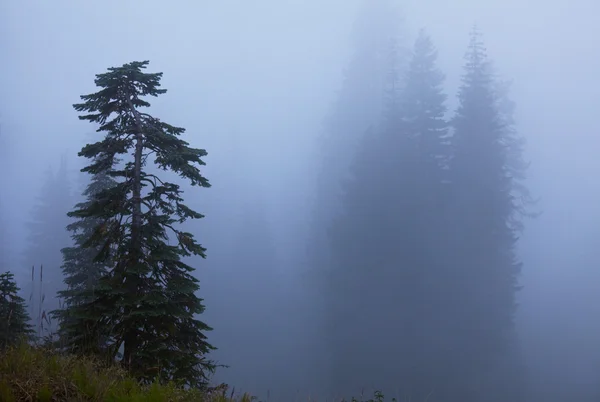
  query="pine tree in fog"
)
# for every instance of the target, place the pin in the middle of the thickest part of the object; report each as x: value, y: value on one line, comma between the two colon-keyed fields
x: 422, y: 110
x: 80, y: 269
x: 146, y: 304
x: 383, y: 243
x: 46, y: 237
x: 417, y: 176
x: 357, y: 249
x: 14, y: 320
x: 484, y: 217
x: 358, y: 106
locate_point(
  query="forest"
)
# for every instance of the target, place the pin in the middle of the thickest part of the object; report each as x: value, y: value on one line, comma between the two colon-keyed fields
x: 384, y: 260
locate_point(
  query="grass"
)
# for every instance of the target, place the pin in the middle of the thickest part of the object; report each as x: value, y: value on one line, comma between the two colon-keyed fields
x: 30, y: 373
x: 33, y: 372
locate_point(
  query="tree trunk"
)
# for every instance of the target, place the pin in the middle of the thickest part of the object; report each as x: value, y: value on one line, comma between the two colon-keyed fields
x: 132, y: 282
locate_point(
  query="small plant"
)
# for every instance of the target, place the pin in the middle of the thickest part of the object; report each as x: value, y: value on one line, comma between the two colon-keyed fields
x: 41, y: 320
x: 377, y: 397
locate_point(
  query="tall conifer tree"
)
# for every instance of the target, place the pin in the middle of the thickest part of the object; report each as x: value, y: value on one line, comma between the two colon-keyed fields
x: 486, y: 207
x: 387, y: 215
x: 360, y: 101
x: 146, y: 303
x: 416, y: 147
x: 356, y: 111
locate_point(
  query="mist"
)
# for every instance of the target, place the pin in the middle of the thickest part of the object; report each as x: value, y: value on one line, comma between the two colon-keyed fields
x: 257, y: 84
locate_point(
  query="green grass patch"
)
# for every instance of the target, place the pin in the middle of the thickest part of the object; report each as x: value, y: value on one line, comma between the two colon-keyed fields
x: 30, y: 373
x: 33, y: 373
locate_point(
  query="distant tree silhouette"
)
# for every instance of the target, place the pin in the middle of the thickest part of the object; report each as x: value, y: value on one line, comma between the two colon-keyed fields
x: 486, y: 208
x: 46, y: 237
x: 380, y: 273
x: 14, y: 320
x: 357, y: 108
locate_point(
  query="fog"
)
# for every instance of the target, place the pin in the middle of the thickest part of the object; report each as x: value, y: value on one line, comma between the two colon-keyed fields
x: 254, y: 82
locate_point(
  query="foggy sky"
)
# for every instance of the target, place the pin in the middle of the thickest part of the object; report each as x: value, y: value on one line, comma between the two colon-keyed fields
x: 264, y: 73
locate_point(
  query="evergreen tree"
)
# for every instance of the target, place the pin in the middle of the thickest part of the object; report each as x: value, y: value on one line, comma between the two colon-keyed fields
x: 353, y: 269
x: 360, y: 101
x: 14, y: 320
x: 358, y: 108
x: 418, y: 151
x: 146, y: 303
x: 423, y: 109
x: 388, y: 214
x: 46, y: 237
x: 484, y: 216
x: 80, y: 268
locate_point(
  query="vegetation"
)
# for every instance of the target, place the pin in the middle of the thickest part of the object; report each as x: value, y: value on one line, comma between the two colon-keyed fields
x: 143, y: 311
x: 422, y: 214
x: 80, y: 270
x: 426, y: 226
x: 46, y: 237
x: 14, y: 320
x: 28, y: 373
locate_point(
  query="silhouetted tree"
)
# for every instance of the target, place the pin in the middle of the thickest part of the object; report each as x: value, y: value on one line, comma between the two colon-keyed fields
x: 383, y: 243
x: 14, y: 320
x: 360, y: 101
x: 358, y: 107
x: 46, y: 237
x: 80, y: 267
x: 146, y: 304
x: 484, y: 216
x: 417, y: 146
